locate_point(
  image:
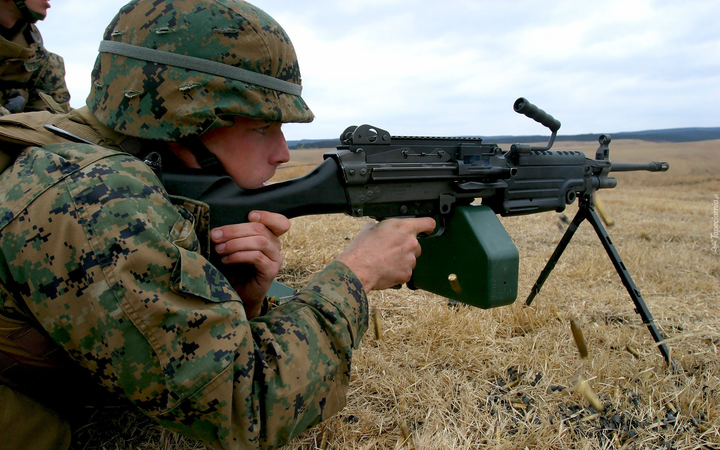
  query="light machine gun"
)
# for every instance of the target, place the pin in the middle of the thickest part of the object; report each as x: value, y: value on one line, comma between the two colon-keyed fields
x: 469, y: 257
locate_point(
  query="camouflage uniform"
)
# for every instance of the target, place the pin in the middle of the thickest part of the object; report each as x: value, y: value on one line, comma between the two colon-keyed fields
x: 116, y: 272
x: 31, y: 78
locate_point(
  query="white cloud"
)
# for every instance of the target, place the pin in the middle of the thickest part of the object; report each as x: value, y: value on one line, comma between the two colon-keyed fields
x: 455, y: 67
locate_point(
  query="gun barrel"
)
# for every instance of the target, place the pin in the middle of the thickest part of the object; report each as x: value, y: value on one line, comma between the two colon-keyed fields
x: 652, y: 166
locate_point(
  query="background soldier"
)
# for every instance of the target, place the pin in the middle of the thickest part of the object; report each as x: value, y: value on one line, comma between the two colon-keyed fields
x: 31, y: 78
x: 95, y: 255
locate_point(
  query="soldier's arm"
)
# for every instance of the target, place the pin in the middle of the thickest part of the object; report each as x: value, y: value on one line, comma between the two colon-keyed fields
x: 115, y: 277
x: 49, y: 79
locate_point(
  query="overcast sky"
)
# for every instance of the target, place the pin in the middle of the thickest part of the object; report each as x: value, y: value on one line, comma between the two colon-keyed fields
x: 455, y: 67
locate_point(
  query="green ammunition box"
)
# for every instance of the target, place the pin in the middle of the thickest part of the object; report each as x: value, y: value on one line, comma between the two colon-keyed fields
x: 473, y: 260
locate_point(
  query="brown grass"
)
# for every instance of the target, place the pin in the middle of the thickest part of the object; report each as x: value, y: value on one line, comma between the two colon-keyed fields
x: 301, y: 162
x: 448, y: 377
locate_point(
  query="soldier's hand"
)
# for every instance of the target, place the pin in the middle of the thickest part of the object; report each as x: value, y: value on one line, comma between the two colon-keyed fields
x: 257, y: 244
x: 384, y: 254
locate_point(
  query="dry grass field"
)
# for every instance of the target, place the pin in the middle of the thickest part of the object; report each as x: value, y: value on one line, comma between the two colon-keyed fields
x: 435, y: 376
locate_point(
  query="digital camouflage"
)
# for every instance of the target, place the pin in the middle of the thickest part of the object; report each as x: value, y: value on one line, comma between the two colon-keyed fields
x: 26, y: 71
x: 117, y: 273
x: 161, y: 102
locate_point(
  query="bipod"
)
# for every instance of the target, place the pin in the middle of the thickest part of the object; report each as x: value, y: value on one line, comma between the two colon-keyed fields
x: 587, y: 212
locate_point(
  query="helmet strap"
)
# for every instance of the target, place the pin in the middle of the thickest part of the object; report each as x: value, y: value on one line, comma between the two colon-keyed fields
x: 205, y: 158
x: 29, y: 15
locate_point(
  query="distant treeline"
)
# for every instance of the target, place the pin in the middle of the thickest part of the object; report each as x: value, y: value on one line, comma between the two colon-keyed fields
x: 669, y: 135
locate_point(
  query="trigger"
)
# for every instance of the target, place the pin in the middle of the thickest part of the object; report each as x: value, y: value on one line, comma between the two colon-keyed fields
x: 439, y: 230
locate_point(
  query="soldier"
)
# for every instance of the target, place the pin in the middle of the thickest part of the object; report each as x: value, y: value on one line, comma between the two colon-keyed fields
x: 31, y: 78
x: 97, y: 257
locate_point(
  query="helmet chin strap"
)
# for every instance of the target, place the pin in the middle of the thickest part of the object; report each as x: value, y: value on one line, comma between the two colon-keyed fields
x: 29, y: 15
x: 205, y: 158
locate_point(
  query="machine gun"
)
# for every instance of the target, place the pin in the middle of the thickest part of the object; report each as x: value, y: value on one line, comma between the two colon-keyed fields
x: 469, y: 257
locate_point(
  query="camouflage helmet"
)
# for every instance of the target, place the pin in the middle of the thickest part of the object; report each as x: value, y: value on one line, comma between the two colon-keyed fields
x: 171, y: 69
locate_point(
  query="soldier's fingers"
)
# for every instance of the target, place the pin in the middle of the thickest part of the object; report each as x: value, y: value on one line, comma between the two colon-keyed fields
x: 269, y: 244
x: 238, y: 231
x: 276, y: 223
x: 423, y: 225
x: 257, y: 258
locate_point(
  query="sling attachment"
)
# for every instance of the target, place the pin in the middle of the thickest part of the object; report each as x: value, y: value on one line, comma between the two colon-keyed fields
x: 154, y: 161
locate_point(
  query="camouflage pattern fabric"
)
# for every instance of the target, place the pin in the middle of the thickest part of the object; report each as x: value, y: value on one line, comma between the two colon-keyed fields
x: 115, y: 272
x: 26, y: 71
x: 161, y: 102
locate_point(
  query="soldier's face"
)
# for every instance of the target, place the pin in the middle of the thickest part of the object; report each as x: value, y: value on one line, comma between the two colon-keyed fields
x: 250, y: 151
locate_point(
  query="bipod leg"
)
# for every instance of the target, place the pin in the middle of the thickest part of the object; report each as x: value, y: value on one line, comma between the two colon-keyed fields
x: 572, y: 228
x: 640, y: 306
